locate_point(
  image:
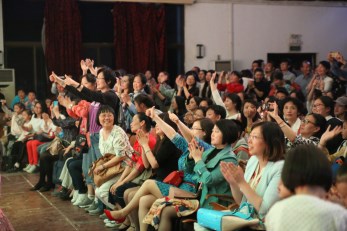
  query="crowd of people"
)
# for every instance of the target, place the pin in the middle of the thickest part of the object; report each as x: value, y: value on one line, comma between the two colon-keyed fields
x: 274, y: 139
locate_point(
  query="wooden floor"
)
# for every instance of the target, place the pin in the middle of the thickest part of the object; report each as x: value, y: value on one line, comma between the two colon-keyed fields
x: 32, y: 211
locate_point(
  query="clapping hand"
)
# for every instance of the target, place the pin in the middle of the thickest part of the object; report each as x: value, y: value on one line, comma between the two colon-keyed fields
x: 232, y: 173
x: 142, y: 138
x: 195, y: 151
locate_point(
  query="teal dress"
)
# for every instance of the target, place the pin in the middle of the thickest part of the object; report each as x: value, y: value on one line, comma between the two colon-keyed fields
x: 189, y: 184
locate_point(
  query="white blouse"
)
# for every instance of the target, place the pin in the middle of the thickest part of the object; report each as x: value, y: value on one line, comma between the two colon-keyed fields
x: 117, y: 143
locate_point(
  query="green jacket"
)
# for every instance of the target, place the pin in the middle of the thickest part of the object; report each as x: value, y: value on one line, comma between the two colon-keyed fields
x: 210, y: 175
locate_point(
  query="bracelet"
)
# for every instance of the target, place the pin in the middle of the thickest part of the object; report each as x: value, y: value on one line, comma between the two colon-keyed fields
x: 78, y: 86
x: 282, y: 125
x: 149, y: 150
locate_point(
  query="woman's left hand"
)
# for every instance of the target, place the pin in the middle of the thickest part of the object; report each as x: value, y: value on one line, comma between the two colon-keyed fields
x: 195, y: 150
x: 142, y: 138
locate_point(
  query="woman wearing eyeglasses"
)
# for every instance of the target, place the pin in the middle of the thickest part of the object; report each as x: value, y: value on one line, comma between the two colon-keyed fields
x: 311, y: 128
x: 258, y: 185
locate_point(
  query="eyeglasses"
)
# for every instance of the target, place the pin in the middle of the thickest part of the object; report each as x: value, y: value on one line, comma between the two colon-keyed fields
x: 318, y: 105
x: 198, y: 129
x: 306, y: 121
x: 252, y: 137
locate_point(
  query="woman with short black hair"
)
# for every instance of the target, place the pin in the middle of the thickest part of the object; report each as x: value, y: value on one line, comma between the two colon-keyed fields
x: 306, y: 174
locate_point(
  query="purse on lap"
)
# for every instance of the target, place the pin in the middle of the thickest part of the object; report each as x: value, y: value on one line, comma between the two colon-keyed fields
x: 107, y: 173
x: 227, y: 220
x: 175, y: 178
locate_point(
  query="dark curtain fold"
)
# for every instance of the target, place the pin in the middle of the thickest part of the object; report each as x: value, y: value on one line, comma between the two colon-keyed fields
x: 139, y: 37
x: 63, y: 36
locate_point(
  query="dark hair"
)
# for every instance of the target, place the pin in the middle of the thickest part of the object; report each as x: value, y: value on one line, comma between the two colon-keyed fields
x: 259, y: 69
x: 203, y: 109
x: 89, y: 77
x: 195, y: 75
x: 246, y: 73
x: 274, y: 139
x: 20, y: 105
x: 259, y: 62
x: 208, y: 100
x: 131, y: 80
x: 148, y: 121
x: 328, y: 102
x: 282, y: 90
x: 299, y: 95
x: 218, y: 110
x: 165, y: 117
x: 236, y: 100
x: 144, y: 82
x: 105, y: 109
x: 325, y: 64
x: 109, y: 76
x: 28, y: 112
x: 277, y: 75
x: 32, y: 91
x: 197, y: 99
x: 238, y: 74
x: 144, y: 99
x: 306, y: 165
x: 181, y: 105
x: 298, y: 104
x: 207, y: 126
x: 229, y: 130
x: 243, y: 118
x: 205, y: 72
x: 240, y: 127
x: 44, y: 108
x: 320, y: 122
x: 341, y: 175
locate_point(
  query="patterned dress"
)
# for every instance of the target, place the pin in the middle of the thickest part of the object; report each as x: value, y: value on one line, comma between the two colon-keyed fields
x: 188, y: 182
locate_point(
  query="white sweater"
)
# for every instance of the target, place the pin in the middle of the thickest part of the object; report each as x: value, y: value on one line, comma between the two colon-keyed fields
x: 306, y: 212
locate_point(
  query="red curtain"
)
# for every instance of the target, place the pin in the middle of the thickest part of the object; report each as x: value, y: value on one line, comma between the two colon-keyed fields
x: 139, y: 37
x: 62, y: 36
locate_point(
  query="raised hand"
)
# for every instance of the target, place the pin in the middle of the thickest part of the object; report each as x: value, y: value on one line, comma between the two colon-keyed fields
x: 274, y: 113
x: 173, y: 117
x: 151, y: 113
x: 84, y: 66
x: 329, y: 134
x: 69, y: 81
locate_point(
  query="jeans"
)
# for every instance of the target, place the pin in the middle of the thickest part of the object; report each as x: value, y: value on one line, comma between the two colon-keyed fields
x: 92, y: 155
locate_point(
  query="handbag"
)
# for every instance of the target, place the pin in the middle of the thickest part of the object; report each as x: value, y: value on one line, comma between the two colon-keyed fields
x: 107, y: 173
x: 43, y: 137
x: 55, y: 146
x: 145, y: 175
x: 175, y: 178
x: 227, y: 220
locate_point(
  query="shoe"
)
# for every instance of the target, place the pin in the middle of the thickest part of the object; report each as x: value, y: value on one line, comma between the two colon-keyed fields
x: 65, y: 194
x: 87, y: 203
x: 95, y: 212
x: 16, y: 165
x: 103, y: 216
x: 36, y: 187
x: 74, y: 197
x: 83, y: 201
x: 46, y: 188
x: 93, y: 206
x: 58, y: 191
x: 109, y: 216
x: 32, y: 169
x: 113, y: 224
x: 27, y: 167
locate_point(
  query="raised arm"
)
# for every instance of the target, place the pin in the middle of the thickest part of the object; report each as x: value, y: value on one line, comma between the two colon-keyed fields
x: 167, y: 129
x: 215, y: 93
x: 288, y: 132
x: 185, y: 131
